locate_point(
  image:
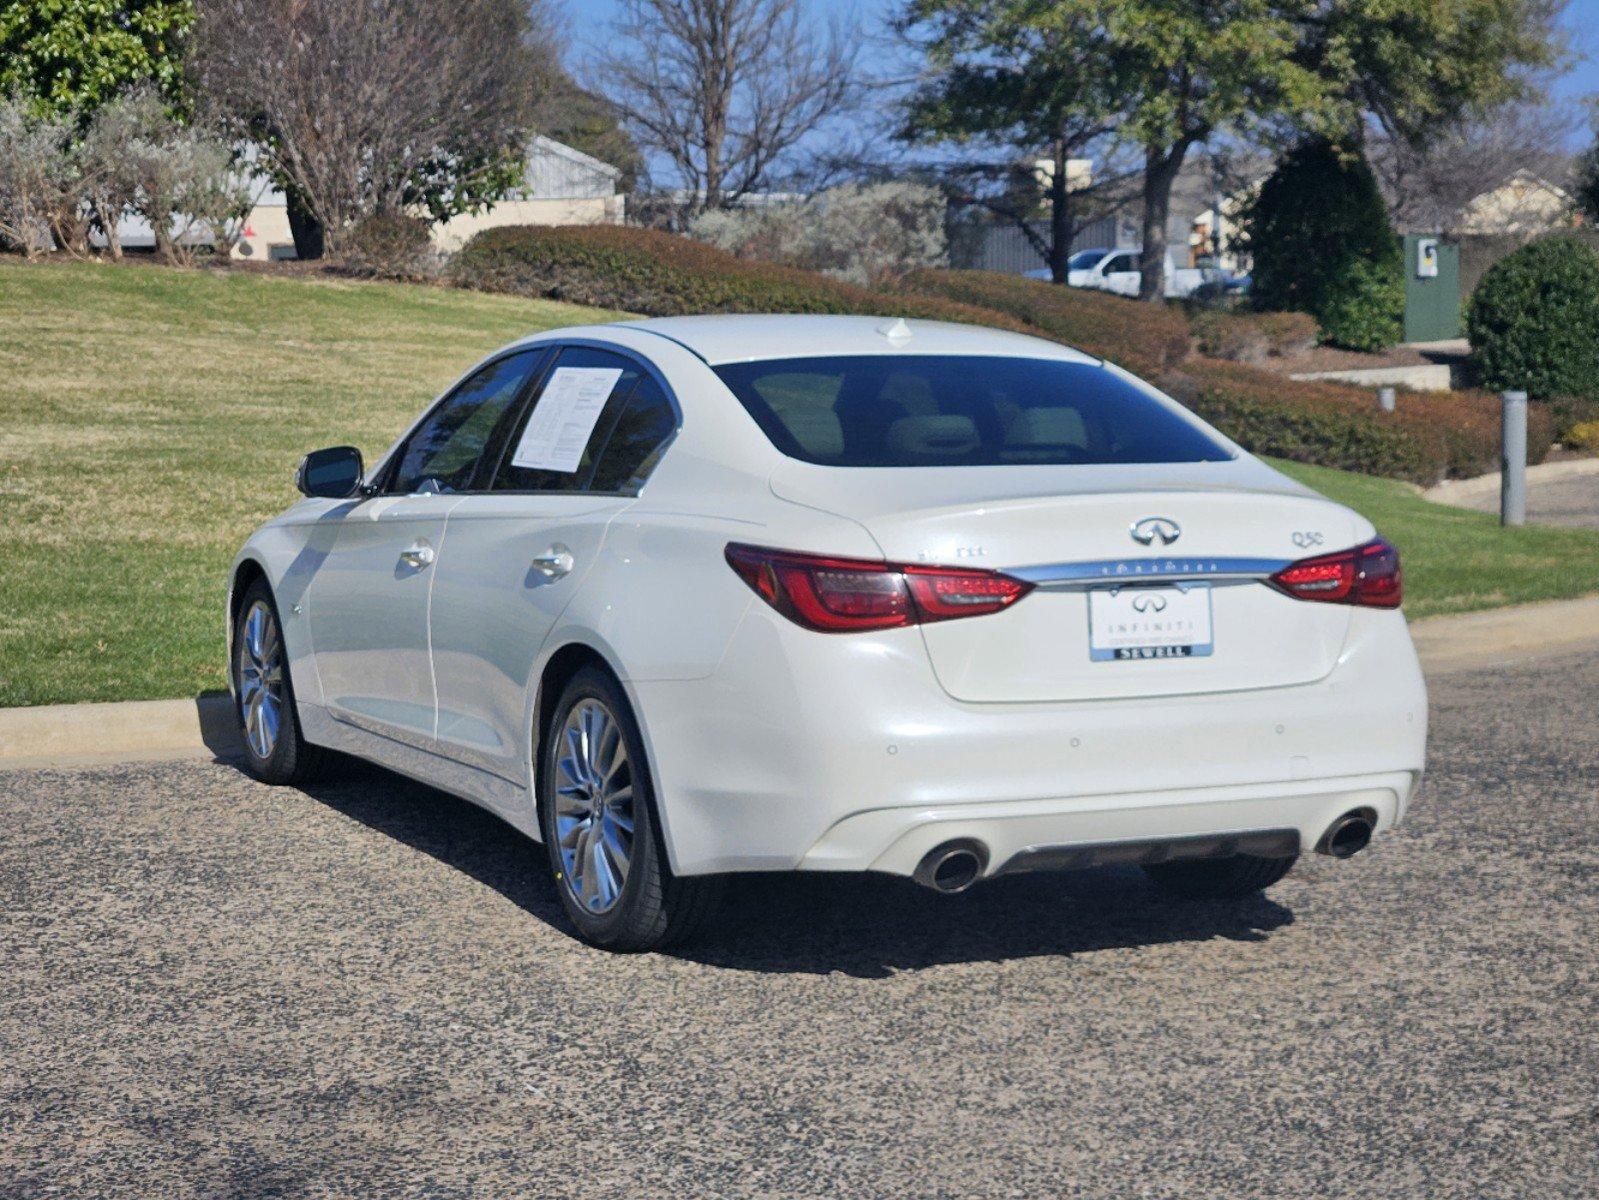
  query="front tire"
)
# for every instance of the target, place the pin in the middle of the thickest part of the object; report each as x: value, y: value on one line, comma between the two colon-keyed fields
x: 1220, y: 878
x: 263, y: 694
x: 597, y: 812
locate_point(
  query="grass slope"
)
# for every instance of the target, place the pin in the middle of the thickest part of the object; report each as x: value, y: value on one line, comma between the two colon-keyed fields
x: 150, y: 418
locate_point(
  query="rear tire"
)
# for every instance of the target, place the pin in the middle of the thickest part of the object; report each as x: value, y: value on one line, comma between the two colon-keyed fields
x: 275, y: 751
x: 601, y: 833
x: 1220, y: 878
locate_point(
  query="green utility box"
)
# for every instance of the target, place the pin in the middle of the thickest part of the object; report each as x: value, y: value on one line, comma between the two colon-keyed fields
x: 1432, y: 288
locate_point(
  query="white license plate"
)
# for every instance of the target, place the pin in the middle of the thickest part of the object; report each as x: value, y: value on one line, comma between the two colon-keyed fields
x: 1149, y: 622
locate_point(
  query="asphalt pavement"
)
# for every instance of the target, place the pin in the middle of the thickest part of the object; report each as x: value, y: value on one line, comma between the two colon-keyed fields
x: 213, y: 988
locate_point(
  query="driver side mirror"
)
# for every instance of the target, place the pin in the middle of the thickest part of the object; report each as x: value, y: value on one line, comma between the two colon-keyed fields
x: 333, y: 473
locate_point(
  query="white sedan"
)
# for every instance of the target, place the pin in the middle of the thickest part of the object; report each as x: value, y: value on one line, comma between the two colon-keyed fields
x: 699, y: 595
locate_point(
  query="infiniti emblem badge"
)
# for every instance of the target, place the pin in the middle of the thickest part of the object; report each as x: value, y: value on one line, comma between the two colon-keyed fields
x: 1156, y: 529
x: 1149, y: 602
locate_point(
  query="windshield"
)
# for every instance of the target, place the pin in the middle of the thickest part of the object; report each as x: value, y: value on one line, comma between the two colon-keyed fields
x: 947, y: 410
x: 1084, y: 259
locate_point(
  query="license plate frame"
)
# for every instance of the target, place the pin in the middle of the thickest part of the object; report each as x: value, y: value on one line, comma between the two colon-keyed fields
x: 1124, y: 622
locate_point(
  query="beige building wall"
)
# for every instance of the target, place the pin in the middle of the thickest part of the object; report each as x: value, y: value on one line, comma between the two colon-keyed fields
x: 267, y: 228
x: 596, y: 210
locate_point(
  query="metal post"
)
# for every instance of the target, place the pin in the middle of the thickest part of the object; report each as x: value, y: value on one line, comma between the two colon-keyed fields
x: 1513, y: 460
x: 1385, y: 399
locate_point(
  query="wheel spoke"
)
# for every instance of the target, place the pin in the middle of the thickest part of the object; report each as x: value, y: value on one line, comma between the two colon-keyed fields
x: 606, y: 886
x: 617, y: 850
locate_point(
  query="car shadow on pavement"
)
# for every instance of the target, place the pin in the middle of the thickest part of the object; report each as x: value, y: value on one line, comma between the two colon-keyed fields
x: 868, y: 926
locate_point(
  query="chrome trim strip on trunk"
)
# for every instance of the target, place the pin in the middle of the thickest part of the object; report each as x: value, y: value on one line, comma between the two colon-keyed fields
x: 1131, y: 570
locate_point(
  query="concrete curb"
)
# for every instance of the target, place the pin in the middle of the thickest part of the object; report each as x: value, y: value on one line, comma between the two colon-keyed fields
x: 61, y: 735
x: 1460, y: 492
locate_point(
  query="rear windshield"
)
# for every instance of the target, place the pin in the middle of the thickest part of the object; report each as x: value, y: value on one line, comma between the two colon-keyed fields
x: 938, y: 410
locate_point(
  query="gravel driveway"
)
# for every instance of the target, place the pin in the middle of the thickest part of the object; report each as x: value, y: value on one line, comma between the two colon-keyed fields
x: 213, y: 988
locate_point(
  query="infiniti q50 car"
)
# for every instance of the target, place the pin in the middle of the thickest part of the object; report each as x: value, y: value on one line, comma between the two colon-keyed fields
x: 701, y: 595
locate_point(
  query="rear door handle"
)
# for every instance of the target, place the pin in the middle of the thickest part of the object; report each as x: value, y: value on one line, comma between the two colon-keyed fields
x: 554, y: 562
x: 417, y: 556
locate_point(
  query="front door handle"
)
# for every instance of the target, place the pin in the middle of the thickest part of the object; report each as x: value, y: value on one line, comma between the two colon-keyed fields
x: 418, y: 556
x: 554, y: 562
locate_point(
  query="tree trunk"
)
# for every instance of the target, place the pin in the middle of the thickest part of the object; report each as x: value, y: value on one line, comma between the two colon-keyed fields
x: 1160, y: 172
x: 1061, y: 226
x: 309, y: 239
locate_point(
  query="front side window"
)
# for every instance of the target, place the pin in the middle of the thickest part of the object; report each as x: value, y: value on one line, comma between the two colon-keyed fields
x: 556, y: 443
x: 948, y: 410
x: 443, y: 453
x: 1121, y: 265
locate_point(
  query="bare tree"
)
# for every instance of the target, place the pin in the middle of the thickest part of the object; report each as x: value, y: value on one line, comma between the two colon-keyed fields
x: 378, y: 106
x: 725, y: 89
x: 1427, y: 184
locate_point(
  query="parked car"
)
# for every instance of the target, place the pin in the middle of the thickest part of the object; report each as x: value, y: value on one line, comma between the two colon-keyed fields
x: 699, y: 595
x: 1116, y: 270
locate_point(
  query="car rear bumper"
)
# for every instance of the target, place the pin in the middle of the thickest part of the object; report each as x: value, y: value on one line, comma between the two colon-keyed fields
x: 1038, y: 834
x: 809, y: 752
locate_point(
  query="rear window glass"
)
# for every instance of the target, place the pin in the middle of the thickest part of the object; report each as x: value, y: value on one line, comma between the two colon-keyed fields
x: 937, y: 410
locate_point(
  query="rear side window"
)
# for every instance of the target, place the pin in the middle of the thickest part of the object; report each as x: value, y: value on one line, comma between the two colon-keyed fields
x: 556, y: 443
x: 637, y: 440
x: 937, y: 410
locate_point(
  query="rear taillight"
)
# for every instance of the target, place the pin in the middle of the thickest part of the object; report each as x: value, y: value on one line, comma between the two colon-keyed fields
x: 843, y: 595
x: 1367, y: 575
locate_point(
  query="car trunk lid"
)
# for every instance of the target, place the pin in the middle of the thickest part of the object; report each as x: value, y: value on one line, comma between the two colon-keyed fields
x: 1211, y: 529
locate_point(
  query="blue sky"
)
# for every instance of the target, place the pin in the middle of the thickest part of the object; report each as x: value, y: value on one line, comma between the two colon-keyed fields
x: 588, y: 18
x: 1582, y: 20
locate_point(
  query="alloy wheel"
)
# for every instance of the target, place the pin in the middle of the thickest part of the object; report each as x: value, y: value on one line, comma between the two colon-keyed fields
x: 261, y: 679
x: 594, y: 806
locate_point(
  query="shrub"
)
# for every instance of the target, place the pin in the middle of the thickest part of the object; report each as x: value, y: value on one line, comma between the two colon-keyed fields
x: 1363, y: 307
x: 660, y: 274
x: 1253, y: 337
x: 868, y: 234
x: 39, y: 176
x: 1144, y: 338
x: 389, y: 245
x: 1323, y: 244
x: 1534, y: 320
x: 1428, y: 438
x: 1584, y: 436
x: 1568, y: 412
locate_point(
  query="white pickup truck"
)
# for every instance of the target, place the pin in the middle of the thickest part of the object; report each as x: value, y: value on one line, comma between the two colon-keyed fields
x: 1117, y: 271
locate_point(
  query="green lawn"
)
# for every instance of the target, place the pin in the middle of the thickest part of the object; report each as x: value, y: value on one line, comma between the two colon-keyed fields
x: 150, y: 418
x: 1457, y: 561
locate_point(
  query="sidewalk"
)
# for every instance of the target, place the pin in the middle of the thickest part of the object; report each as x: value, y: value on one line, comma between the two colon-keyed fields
x: 1559, y: 493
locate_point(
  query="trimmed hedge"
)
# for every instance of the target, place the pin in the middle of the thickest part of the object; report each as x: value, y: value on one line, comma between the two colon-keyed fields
x: 1430, y: 437
x: 1146, y: 338
x: 660, y: 274
x: 1251, y: 337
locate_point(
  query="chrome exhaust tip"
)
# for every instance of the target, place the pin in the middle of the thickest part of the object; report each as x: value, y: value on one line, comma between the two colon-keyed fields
x: 1348, y: 835
x: 952, y: 867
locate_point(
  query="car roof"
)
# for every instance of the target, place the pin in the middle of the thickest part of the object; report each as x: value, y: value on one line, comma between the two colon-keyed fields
x: 749, y: 338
